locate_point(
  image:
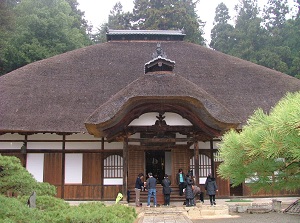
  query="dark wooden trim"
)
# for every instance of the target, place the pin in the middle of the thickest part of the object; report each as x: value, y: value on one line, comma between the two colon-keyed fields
x: 105, y: 151
x: 153, y: 140
x: 62, y: 151
x: 63, y: 168
x: 25, y: 155
x: 50, y: 140
x: 102, y: 143
x: 103, y: 140
x: 125, y: 168
x: 212, y: 158
x: 196, y: 157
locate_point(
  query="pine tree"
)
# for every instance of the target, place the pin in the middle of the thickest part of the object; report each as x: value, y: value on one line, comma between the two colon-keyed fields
x: 266, y: 153
x: 222, y: 32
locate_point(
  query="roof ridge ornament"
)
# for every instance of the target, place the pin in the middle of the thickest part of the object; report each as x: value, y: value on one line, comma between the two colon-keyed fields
x: 159, y: 52
x: 159, y: 62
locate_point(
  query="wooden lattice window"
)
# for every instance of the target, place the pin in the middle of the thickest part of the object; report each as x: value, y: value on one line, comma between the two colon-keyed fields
x: 113, y: 166
x: 204, y: 165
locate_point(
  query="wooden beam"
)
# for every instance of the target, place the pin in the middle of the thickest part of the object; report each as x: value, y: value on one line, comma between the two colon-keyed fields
x: 196, y: 157
x: 63, y: 168
x: 212, y: 158
x: 125, y: 168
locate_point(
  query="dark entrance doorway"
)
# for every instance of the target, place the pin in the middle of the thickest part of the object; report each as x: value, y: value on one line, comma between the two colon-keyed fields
x: 155, y: 163
x: 236, y: 191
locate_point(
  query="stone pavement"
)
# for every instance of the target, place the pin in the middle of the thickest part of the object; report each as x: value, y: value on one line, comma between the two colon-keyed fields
x: 178, y: 213
x: 165, y: 219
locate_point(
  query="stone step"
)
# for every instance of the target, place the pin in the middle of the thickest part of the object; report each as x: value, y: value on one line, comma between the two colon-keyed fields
x: 194, y: 212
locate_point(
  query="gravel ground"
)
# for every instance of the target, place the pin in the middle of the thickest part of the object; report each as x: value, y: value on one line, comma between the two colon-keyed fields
x: 271, y: 217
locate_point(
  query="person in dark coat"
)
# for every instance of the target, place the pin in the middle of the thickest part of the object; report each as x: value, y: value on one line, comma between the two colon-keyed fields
x: 138, y: 187
x: 211, y: 188
x: 180, y: 180
x: 166, y: 183
x: 189, y: 195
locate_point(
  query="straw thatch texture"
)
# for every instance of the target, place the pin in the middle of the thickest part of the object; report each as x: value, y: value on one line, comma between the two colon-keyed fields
x: 60, y: 93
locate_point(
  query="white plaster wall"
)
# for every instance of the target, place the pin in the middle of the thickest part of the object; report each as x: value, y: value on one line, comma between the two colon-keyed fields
x: 11, y: 145
x: 81, y: 136
x: 46, y: 136
x: 175, y: 119
x: 35, y: 165
x: 216, y: 144
x: 145, y: 119
x: 44, y: 145
x: 85, y: 145
x: 113, y: 181
x: 113, y: 145
x: 135, y: 136
x: 9, y: 136
x: 178, y: 135
x: 170, y: 118
x: 206, y: 145
x: 73, y: 168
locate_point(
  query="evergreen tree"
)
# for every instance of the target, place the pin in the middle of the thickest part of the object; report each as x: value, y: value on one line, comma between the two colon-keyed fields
x: 222, y: 32
x: 266, y: 153
x: 169, y: 15
x: 118, y: 19
x: 290, y: 35
x: 7, y: 25
x: 249, y: 35
x: 17, y: 180
x: 44, y: 28
x: 275, y: 14
x: 278, y: 54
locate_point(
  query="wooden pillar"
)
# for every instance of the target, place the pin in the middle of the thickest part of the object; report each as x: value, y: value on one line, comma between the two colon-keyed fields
x: 102, y: 170
x: 125, y: 168
x: 196, y: 160
x: 212, y: 157
x: 24, y: 151
x: 63, y: 168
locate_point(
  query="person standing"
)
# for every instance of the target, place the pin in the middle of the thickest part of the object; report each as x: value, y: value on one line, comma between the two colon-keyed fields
x: 180, y: 179
x: 189, y: 195
x: 138, y: 187
x: 211, y: 188
x: 151, y: 186
x: 166, y: 183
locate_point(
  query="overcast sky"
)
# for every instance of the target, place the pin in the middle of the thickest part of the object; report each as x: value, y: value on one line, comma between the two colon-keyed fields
x: 97, y: 11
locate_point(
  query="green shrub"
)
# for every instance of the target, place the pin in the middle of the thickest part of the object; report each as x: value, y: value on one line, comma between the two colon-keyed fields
x: 97, y: 212
x: 13, y: 210
x: 54, y: 210
x: 17, y: 180
x: 47, y: 203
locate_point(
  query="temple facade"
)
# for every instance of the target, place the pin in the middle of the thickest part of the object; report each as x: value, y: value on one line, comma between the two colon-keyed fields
x: 90, y: 120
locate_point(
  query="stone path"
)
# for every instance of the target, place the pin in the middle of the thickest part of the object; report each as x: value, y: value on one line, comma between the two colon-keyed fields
x: 162, y: 215
x: 165, y: 219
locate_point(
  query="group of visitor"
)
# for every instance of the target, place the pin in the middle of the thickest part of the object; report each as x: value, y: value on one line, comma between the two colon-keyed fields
x: 186, y: 186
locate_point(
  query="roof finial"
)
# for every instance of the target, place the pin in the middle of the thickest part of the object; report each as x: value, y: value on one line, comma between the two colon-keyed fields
x: 159, y: 52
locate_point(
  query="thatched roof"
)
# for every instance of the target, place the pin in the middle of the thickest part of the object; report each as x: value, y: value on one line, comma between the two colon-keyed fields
x: 60, y: 93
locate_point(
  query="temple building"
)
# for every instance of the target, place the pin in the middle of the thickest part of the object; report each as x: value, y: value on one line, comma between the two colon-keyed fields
x: 90, y: 120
